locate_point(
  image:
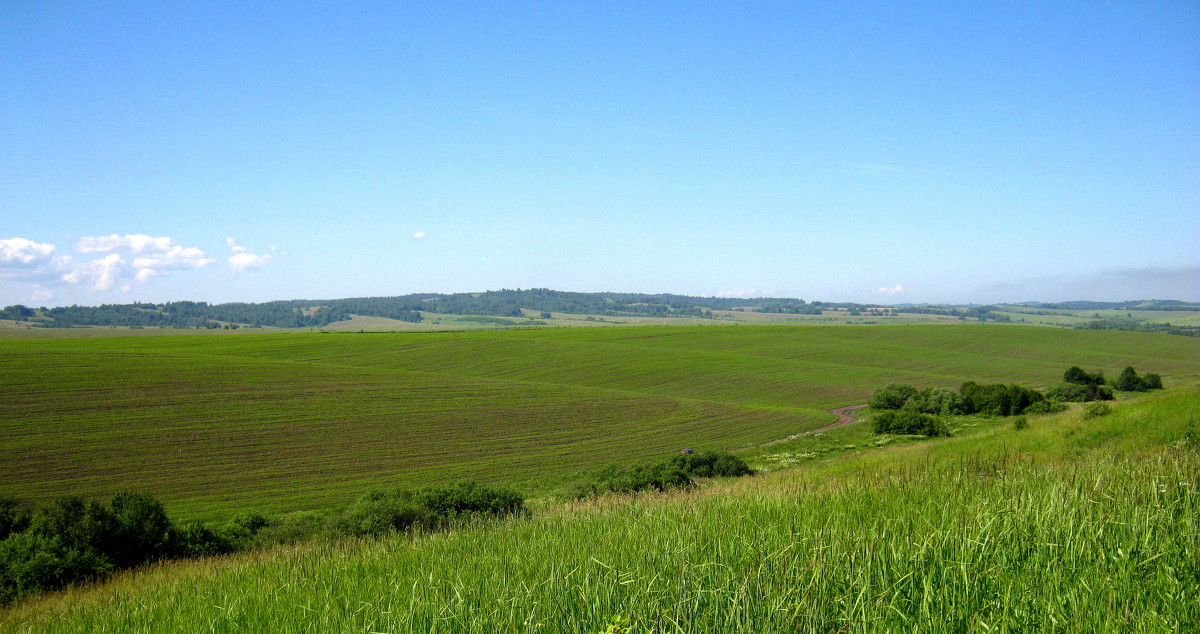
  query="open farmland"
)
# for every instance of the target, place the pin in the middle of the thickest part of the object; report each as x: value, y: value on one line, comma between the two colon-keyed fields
x: 291, y: 421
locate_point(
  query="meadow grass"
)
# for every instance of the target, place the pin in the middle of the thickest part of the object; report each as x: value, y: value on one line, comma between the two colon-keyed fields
x: 280, y: 422
x: 1071, y: 525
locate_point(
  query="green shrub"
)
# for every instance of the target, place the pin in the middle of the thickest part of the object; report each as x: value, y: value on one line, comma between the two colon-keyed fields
x: 1152, y: 381
x: 1096, y: 409
x: 1078, y: 376
x: 892, y: 397
x: 1077, y: 393
x: 998, y: 399
x: 427, y: 508
x: 909, y: 422
x: 711, y: 464
x: 1020, y: 423
x: 252, y: 521
x: 1129, y: 381
x: 14, y: 516
x: 938, y: 400
x: 142, y: 531
x: 31, y: 562
x: 198, y: 540
x: 632, y: 479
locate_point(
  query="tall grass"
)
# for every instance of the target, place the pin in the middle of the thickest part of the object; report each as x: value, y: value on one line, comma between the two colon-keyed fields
x: 1097, y: 531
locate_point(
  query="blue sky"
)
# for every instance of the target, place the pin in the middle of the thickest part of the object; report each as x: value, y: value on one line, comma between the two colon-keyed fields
x: 876, y: 152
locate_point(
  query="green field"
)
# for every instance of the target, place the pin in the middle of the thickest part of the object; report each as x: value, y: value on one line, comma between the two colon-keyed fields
x: 1071, y: 525
x: 281, y: 422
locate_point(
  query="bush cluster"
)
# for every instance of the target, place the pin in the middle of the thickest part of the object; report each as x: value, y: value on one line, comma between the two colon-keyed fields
x: 72, y: 540
x: 1129, y: 381
x: 427, y: 508
x: 1078, y: 392
x: 908, y: 410
x: 677, y: 472
x: 908, y: 421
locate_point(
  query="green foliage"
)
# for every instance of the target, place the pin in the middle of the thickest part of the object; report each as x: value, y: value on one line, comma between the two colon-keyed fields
x: 1078, y: 393
x: 998, y: 399
x: 195, y: 539
x: 632, y: 479
x: 251, y: 521
x: 711, y: 464
x: 909, y: 422
x: 1096, y: 409
x: 427, y: 508
x: 1020, y: 423
x: 893, y: 396
x: 1078, y: 376
x: 72, y: 539
x: 32, y: 561
x: 14, y: 516
x: 1129, y: 381
x: 675, y: 473
x: 142, y: 532
x: 939, y: 401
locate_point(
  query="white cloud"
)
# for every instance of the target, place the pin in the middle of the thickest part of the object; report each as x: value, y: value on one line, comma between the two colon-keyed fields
x: 233, y: 246
x: 41, y: 295
x: 102, y: 273
x: 156, y: 257
x: 175, y: 257
x: 744, y: 292
x: 24, y: 260
x: 19, y: 251
x: 133, y: 243
x: 890, y: 290
x: 245, y: 261
x: 420, y: 235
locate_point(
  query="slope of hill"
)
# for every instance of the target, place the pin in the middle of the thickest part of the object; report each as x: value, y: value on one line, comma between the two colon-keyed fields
x: 213, y: 425
x: 1070, y: 525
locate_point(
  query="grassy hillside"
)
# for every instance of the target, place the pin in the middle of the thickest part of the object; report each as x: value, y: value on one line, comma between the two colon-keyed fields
x: 281, y: 422
x: 1070, y: 525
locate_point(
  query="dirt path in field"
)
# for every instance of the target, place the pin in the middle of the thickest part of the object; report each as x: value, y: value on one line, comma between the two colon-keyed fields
x: 845, y: 416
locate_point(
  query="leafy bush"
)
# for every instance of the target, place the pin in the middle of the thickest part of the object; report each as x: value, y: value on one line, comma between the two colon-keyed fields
x: 31, y: 562
x: 892, y: 397
x: 252, y: 521
x: 632, y: 479
x: 198, y: 540
x: 1077, y: 393
x: 1129, y: 381
x: 911, y: 422
x: 998, y: 399
x: 427, y: 508
x: 1096, y: 410
x: 14, y: 516
x: 1078, y: 376
x: 72, y: 539
x: 1020, y: 423
x: 712, y: 464
x: 936, y: 400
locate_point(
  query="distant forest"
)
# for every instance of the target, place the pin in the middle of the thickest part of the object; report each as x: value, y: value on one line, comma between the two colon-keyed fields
x: 306, y: 313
